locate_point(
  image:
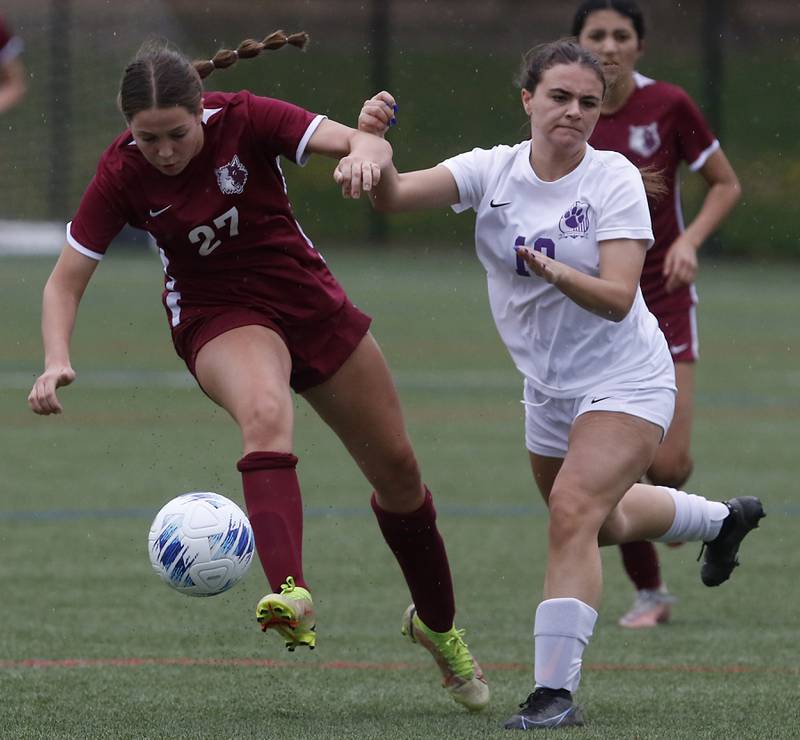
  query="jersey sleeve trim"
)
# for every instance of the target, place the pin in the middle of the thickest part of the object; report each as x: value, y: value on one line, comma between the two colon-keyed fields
x: 455, y: 171
x: 301, y: 155
x: 208, y: 113
x: 705, y: 154
x: 78, y: 247
x: 11, y: 50
x: 604, y: 235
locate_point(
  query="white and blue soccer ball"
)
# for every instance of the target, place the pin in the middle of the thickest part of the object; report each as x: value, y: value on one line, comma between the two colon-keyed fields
x: 201, y: 544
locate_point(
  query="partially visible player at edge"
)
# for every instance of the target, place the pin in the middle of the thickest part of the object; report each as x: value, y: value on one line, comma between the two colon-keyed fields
x: 562, y: 230
x: 657, y: 125
x: 254, y: 313
x: 12, y: 71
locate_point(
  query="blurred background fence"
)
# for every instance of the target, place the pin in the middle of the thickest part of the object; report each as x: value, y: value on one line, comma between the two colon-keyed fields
x: 450, y: 63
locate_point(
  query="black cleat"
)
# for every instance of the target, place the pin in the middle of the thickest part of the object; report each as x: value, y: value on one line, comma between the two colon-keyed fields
x: 546, y: 708
x: 720, y: 559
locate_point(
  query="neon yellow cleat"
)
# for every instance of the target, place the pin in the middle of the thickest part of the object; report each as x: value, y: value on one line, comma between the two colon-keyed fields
x: 461, y: 674
x: 291, y: 614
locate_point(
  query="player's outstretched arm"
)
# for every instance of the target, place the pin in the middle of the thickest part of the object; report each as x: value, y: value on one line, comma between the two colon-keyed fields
x: 395, y: 192
x: 62, y: 295
x: 362, y: 155
x: 378, y: 114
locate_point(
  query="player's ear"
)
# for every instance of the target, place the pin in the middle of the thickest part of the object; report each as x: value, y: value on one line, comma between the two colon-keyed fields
x: 526, y: 101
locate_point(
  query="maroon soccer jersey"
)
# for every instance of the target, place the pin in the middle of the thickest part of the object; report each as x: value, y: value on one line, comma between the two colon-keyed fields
x: 224, y: 226
x: 659, y: 126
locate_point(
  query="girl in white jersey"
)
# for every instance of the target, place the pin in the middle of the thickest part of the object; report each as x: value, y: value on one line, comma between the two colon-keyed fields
x: 562, y: 230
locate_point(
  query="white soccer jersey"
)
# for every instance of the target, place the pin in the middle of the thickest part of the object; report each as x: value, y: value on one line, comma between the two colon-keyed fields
x: 563, y: 349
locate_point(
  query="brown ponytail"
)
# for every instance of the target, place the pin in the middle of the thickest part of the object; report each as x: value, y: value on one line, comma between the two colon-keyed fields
x: 248, y: 49
x: 161, y: 77
x: 653, y: 180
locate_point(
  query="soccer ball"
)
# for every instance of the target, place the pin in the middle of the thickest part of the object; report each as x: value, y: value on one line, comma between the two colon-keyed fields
x: 201, y: 544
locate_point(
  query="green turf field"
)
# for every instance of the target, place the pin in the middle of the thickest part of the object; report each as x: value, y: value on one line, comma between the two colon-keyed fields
x: 94, y: 645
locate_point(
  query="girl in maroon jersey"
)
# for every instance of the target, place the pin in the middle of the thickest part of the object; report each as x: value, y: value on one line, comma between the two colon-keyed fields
x: 254, y: 313
x: 657, y: 125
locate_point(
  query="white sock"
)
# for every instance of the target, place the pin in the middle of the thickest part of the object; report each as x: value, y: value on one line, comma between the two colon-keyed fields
x: 560, y: 633
x: 696, y: 518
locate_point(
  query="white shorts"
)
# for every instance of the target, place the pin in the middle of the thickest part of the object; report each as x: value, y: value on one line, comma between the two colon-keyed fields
x: 548, y: 420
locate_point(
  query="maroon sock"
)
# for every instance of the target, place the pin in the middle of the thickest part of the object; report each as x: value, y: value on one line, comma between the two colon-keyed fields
x: 641, y: 564
x: 419, y: 549
x: 275, y: 510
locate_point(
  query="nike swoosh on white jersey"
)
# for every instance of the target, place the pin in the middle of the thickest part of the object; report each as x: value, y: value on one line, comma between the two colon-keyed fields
x: 158, y: 213
x: 678, y: 348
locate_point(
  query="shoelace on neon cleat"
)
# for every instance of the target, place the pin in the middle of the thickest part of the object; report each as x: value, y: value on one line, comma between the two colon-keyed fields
x: 459, y: 657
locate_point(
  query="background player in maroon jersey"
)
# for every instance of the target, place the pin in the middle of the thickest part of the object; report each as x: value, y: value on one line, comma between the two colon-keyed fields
x: 12, y: 71
x: 254, y: 312
x: 657, y: 125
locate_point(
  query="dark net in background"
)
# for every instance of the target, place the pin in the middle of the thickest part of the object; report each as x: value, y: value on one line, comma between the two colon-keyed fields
x: 451, y: 65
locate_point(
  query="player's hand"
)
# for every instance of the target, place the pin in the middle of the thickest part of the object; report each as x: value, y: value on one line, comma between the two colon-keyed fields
x: 378, y: 114
x: 541, y: 265
x: 680, y: 264
x: 42, y: 399
x: 356, y: 175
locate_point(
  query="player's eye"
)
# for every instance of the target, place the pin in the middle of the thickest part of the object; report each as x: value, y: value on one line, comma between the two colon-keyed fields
x: 179, y: 135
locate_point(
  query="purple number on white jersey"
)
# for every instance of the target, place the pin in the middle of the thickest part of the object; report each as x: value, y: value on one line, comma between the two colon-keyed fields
x: 542, y: 244
x: 548, y: 246
x: 521, y: 270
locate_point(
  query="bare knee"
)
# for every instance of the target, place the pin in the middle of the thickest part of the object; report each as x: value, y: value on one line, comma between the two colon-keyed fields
x: 671, y: 469
x: 397, y: 479
x: 266, y: 423
x: 572, y: 515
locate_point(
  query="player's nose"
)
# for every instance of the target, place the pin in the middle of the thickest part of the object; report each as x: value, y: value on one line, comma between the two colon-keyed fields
x: 164, y: 150
x: 609, y: 45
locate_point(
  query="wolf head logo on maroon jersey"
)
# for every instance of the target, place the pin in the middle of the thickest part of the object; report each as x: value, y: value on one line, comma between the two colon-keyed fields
x: 232, y: 177
x: 644, y: 140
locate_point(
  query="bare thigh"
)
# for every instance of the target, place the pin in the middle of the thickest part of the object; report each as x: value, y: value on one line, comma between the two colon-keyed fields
x: 608, y: 452
x: 361, y: 405
x: 246, y: 371
x: 673, y: 463
x: 545, y: 470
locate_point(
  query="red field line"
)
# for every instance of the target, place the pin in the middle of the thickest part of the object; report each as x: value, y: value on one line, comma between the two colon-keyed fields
x: 368, y: 666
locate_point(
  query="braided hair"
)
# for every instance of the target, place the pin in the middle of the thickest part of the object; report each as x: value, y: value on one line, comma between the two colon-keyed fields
x: 160, y: 76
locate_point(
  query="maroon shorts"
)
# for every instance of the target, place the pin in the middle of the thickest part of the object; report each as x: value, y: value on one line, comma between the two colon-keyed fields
x: 318, y: 349
x: 680, y: 329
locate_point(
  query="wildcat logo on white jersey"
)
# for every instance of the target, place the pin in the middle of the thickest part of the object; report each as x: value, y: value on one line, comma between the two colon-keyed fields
x: 575, y: 222
x: 644, y: 140
x: 232, y: 177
